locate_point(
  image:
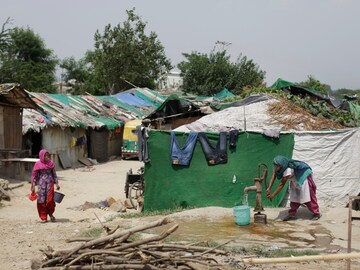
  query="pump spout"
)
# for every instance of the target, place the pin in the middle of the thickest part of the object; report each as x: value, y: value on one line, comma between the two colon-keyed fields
x: 251, y: 188
x: 258, y: 188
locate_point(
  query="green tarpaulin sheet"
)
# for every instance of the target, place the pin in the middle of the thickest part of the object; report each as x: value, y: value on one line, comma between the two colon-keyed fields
x: 354, y: 109
x: 223, y: 94
x: 170, y: 186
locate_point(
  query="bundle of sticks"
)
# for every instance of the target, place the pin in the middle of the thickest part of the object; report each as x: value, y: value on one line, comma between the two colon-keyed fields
x: 117, y: 251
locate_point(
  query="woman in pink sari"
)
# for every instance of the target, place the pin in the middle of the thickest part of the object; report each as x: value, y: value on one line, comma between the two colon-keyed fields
x: 44, y: 176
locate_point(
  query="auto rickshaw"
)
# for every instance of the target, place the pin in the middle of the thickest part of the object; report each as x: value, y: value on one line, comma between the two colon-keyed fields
x: 129, y: 148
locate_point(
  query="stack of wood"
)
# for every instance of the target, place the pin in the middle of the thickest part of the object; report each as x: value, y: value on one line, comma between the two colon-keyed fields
x: 117, y: 251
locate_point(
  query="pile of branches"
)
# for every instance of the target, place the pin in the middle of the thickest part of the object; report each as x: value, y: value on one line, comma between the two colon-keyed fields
x: 292, y: 116
x: 116, y: 251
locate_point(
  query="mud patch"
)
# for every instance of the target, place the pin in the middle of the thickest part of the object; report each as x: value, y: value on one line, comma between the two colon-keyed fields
x: 286, y: 235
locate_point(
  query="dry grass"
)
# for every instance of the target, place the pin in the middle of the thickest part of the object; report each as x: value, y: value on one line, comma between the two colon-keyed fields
x: 294, y: 117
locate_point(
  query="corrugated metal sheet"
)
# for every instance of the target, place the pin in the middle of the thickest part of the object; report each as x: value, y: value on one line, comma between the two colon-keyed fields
x: 15, y: 95
x: 55, y: 139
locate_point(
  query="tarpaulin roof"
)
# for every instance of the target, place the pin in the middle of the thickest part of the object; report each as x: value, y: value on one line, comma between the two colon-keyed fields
x: 224, y: 94
x: 131, y: 99
x: 81, y: 111
x: 295, y: 88
x: 139, y: 112
x: 173, y: 105
x: 151, y: 98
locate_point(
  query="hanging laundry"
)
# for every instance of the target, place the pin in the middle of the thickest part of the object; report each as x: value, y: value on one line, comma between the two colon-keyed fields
x: 183, y: 155
x: 142, y: 134
x: 214, y: 155
x: 73, y: 142
x: 233, y: 134
x: 81, y: 141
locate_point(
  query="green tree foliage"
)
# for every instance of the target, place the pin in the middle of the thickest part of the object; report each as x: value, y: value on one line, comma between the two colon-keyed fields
x: 208, y: 74
x: 125, y: 56
x: 28, y: 62
x: 74, y: 70
x: 316, y: 85
x: 79, y: 75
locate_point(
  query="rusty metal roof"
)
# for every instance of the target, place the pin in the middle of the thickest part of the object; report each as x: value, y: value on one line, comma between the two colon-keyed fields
x: 12, y: 94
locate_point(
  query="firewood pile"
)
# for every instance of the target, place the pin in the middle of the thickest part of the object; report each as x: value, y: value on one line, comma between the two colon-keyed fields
x: 117, y: 251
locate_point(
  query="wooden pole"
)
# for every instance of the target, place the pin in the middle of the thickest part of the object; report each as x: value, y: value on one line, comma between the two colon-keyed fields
x: 348, y: 262
x: 302, y: 258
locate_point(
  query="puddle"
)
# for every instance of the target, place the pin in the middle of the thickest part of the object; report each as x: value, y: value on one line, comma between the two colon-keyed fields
x: 290, y: 235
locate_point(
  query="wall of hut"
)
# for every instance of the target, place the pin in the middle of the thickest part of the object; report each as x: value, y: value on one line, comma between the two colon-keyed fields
x: 66, y: 144
x: 104, y: 143
x: 115, y: 142
x: 10, y: 127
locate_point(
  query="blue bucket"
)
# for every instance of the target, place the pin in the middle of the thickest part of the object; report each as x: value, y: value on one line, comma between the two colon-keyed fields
x: 242, y: 215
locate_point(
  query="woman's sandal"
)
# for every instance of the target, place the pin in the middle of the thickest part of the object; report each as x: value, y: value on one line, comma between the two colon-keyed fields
x: 43, y: 221
x: 52, y: 218
x: 316, y: 217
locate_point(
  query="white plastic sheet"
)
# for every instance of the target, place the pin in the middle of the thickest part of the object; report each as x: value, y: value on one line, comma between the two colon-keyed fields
x: 335, y: 160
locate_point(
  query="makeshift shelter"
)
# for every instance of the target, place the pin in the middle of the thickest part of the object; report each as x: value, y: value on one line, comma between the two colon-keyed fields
x: 174, y: 112
x: 299, y: 90
x: 13, y: 99
x: 170, y: 186
x: 73, y: 128
x: 332, y: 154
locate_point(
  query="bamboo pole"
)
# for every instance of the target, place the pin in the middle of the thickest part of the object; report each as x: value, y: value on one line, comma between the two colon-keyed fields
x: 348, y: 263
x: 330, y: 257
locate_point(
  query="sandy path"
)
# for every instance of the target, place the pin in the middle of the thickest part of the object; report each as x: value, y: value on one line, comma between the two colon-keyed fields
x: 22, y: 236
x: 21, y: 233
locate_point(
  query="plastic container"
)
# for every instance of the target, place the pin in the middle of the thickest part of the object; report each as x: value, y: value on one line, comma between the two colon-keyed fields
x: 58, y: 197
x: 32, y: 196
x: 242, y: 215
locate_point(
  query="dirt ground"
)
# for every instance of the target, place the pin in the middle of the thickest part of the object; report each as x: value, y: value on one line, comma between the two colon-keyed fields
x: 22, y: 236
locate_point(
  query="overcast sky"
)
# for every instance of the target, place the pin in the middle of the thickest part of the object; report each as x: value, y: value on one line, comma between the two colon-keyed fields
x: 289, y: 39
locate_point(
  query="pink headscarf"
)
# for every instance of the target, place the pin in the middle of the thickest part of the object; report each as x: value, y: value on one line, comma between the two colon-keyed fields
x: 42, y: 164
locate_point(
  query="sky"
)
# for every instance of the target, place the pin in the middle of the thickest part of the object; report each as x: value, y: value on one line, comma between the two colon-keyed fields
x: 288, y: 39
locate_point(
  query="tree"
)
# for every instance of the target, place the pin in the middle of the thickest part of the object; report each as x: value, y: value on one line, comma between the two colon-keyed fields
x: 5, y: 38
x: 28, y: 62
x: 125, y: 56
x: 316, y: 85
x: 208, y: 74
x: 74, y: 70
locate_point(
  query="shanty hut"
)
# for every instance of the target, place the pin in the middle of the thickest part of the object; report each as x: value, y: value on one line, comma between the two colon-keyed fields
x: 75, y: 128
x: 13, y: 99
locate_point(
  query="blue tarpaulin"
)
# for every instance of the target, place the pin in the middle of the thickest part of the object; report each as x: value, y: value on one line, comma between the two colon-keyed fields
x: 132, y: 99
